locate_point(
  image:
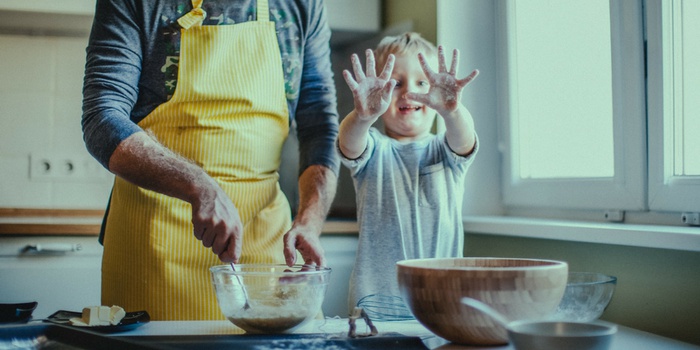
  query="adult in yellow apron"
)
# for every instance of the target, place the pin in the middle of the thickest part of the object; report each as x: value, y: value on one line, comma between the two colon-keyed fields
x: 229, y: 115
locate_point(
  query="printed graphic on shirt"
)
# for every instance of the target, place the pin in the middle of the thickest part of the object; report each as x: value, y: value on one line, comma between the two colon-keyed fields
x: 288, y: 37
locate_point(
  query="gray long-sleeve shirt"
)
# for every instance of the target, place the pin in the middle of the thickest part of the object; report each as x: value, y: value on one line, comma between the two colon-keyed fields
x: 409, y: 200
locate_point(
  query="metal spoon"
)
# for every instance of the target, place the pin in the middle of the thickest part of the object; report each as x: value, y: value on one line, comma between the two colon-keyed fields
x: 245, y: 292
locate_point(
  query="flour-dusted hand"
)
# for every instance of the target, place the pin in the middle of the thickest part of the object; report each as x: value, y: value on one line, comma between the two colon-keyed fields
x: 445, y: 89
x: 216, y: 221
x: 372, y: 93
x: 307, y: 243
x: 316, y: 191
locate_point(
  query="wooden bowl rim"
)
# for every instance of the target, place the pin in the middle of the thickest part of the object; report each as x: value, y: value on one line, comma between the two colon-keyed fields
x: 547, y: 264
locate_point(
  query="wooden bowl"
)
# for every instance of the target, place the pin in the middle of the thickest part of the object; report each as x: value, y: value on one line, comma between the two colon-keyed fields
x: 518, y: 288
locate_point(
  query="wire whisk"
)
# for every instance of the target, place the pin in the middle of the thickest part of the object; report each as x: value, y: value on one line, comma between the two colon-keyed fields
x: 381, y: 307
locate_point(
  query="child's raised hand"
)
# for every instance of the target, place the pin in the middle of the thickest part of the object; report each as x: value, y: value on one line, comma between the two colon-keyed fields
x: 372, y: 93
x: 445, y: 89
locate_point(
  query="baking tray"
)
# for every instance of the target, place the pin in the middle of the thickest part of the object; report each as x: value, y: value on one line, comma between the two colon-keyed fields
x: 282, y: 341
x: 59, y: 337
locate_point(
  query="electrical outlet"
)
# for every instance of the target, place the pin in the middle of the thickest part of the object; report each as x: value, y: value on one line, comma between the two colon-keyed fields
x: 41, y: 167
x: 692, y: 219
x: 614, y: 215
x: 64, y: 167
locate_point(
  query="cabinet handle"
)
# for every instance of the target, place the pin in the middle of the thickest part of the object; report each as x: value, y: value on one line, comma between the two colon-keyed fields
x: 52, y: 248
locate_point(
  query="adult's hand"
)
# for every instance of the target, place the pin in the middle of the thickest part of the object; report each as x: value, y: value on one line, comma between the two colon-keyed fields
x: 306, y: 241
x: 216, y: 221
x: 317, y: 186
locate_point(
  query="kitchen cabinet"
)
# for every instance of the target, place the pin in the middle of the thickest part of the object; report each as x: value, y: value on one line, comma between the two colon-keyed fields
x: 340, y: 256
x: 354, y: 15
x: 47, y: 17
x: 68, y: 7
x: 58, y: 272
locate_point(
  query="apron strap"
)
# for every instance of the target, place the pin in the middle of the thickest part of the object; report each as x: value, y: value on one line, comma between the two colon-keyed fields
x: 263, y: 9
x: 195, y: 17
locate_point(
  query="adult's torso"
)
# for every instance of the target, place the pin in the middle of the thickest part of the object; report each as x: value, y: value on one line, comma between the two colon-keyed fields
x: 161, y: 43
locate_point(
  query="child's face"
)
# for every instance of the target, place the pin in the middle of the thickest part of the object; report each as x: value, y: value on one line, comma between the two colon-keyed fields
x: 407, y: 120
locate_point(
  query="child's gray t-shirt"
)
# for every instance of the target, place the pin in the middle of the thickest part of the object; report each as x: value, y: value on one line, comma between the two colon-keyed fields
x: 409, y: 206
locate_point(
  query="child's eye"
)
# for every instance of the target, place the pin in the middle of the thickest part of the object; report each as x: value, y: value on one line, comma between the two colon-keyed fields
x: 398, y: 84
x: 423, y: 83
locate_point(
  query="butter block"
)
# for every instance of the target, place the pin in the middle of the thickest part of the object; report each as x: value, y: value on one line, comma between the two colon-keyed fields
x: 96, y: 315
x: 77, y: 321
x: 104, y: 315
x: 116, y: 314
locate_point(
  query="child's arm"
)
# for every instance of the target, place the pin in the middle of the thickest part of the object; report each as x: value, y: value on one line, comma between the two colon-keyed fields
x: 372, y: 96
x: 444, y: 97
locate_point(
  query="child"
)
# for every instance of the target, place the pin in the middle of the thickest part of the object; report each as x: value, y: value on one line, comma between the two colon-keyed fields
x: 409, y: 182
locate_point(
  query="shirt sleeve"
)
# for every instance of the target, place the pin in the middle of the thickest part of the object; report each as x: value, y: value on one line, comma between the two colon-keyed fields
x: 357, y: 165
x: 112, y: 71
x: 456, y: 161
x: 316, y: 115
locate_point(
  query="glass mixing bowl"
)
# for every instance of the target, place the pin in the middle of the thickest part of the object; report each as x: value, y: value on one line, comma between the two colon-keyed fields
x: 586, y: 296
x: 280, y: 298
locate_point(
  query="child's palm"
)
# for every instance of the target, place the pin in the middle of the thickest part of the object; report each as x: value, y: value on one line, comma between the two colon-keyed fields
x: 445, y: 89
x: 371, y: 93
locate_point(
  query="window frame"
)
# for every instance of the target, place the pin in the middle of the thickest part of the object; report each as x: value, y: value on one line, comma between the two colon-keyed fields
x: 666, y: 191
x: 626, y: 190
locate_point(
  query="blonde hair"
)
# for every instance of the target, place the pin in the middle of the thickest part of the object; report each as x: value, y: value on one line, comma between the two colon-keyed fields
x: 409, y: 43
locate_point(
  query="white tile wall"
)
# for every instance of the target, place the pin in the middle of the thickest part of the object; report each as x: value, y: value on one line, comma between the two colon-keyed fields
x: 40, y: 106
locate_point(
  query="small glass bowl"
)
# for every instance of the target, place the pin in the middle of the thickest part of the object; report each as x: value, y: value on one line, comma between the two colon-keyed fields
x: 586, y: 296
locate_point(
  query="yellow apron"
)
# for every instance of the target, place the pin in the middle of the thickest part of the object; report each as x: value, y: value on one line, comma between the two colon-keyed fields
x: 229, y: 115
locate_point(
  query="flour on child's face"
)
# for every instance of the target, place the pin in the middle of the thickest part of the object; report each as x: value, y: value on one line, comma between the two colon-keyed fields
x: 408, y: 120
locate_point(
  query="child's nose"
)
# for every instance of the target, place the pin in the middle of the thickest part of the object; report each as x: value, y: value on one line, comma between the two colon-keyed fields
x: 416, y: 88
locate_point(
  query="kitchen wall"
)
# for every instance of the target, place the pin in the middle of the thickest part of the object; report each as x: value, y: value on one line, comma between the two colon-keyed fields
x: 43, y: 161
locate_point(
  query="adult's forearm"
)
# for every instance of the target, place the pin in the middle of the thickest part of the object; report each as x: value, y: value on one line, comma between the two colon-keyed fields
x: 141, y: 160
x: 317, y: 187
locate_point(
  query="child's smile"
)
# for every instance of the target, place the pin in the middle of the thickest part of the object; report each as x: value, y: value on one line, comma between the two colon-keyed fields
x: 407, y: 120
x: 409, y: 109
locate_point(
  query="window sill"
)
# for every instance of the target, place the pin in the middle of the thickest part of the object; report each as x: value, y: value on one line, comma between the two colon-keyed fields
x: 634, y: 235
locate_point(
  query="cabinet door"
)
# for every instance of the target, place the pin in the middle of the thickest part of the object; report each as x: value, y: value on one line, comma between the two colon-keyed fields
x: 68, y: 7
x: 355, y: 15
x: 51, y: 271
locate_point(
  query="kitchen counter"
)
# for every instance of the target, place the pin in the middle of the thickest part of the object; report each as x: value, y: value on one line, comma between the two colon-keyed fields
x: 88, y: 222
x: 625, y: 339
x: 50, y: 222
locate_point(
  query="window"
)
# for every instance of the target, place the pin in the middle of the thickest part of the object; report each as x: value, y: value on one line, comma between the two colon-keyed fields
x: 579, y: 104
x: 575, y: 129
x: 674, y: 105
x: 547, y: 45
